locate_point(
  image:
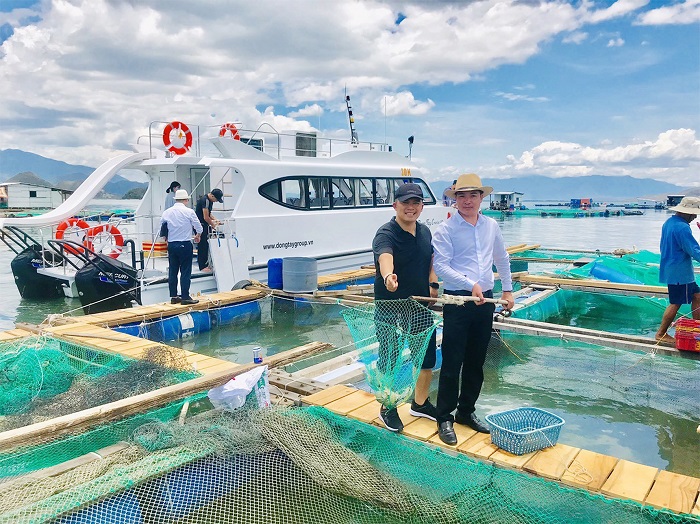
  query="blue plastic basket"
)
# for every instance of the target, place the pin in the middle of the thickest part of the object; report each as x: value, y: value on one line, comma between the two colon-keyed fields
x: 524, y: 430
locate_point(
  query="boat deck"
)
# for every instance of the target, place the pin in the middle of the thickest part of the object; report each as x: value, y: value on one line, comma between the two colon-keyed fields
x: 568, y: 465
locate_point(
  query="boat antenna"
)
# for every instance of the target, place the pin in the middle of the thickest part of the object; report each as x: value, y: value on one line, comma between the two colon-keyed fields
x: 353, y: 133
x: 410, y: 146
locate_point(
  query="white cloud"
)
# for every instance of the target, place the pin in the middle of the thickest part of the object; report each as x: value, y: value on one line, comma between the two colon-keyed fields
x: 687, y: 12
x: 668, y: 157
x: 513, y: 97
x: 404, y: 103
x: 616, y: 10
x: 306, y: 111
x: 616, y: 42
x: 577, y: 37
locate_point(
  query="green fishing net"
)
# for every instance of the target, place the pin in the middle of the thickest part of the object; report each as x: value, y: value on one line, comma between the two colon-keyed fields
x: 297, y: 465
x: 391, y: 337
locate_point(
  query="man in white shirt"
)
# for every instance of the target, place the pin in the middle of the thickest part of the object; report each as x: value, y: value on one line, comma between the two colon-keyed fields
x: 465, y: 248
x: 178, y: 223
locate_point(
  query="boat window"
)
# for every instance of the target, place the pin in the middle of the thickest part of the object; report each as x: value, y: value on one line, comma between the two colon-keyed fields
x: 293, y: 191
x: 384, y: 191
x: 343, y: 192
x: 271, y: 191
x: 315, y: 193
x: 306, y: 144
x: 319, y: 197
x: 427, y: 195
x: 364, y: 192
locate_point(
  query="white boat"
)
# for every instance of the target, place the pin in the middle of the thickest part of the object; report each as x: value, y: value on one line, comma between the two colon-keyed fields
x: 285, y: 195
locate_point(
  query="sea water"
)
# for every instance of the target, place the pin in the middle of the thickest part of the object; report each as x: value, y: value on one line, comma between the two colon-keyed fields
x: 613, y: 401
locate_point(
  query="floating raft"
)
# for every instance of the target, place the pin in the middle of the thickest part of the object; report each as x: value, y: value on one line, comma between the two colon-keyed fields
x: 607, y: 475
x: 166, y: 309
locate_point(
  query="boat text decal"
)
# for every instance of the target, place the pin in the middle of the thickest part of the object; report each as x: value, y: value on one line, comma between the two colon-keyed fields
x: 289, y: 245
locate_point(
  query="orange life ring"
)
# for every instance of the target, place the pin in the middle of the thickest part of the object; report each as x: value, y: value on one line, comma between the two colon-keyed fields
x: 230, y: 127
x: 116, y: 241
x: 72, y: 226
x: 183, y: 132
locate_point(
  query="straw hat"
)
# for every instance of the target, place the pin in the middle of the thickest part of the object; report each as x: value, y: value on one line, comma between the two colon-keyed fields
x: 468, y: 182
x: 181, y: 194
x: 689, y: 206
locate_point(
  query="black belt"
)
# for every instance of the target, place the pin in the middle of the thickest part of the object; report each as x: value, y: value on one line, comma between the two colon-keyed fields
x: 465, y: 293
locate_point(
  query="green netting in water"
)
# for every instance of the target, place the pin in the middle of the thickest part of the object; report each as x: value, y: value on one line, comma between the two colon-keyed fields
x: 601, y: 311
x: 545, y: 254
x: 301, y: 465
x: 391, y: 337
x: 43, y: 378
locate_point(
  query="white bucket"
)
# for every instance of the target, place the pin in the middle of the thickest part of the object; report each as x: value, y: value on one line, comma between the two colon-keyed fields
x: 299, y: 275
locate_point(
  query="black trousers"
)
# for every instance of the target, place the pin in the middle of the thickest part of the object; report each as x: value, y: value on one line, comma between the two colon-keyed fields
x: 466, y: 333
x: 180, y: 261
x: 203, y: 247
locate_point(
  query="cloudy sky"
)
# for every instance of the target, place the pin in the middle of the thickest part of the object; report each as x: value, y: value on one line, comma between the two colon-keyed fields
x: 502, y: 88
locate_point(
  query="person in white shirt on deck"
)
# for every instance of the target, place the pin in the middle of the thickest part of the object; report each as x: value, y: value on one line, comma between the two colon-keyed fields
x: 177, y: 225
x: 465, y: 248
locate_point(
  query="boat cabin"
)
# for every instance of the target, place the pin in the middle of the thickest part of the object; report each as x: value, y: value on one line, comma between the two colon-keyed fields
x: 505, y: 200
x: 673, y: 200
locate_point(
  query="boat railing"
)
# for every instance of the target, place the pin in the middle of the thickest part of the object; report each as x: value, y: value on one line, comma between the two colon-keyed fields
x: 272, y: 142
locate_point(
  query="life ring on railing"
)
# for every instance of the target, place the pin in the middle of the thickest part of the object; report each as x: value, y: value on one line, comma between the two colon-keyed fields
x: 184, y: 136
x: 72, y: 226
x: 230, y: 127
x: 104, y: 236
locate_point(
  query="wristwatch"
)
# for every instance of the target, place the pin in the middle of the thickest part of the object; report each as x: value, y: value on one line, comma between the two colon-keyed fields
x: 435, y: 285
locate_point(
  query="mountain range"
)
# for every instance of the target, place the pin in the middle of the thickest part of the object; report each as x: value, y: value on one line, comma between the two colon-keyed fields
x: 17, y: 166
x: 534, y: 187
x: 598, y: 187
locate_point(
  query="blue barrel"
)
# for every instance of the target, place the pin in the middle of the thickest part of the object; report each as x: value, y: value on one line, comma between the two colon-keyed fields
x: 299, y: 274
x: 274, y: 273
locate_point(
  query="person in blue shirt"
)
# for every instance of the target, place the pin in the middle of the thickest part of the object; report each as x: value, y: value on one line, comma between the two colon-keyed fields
x: 177, y: 224
x: 466, y: 246
x: 678, y: 249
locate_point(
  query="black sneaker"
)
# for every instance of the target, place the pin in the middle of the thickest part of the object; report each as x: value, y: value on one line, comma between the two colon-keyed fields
x: 427, y: 410
x: 472, y: 421
x: 391, y: 419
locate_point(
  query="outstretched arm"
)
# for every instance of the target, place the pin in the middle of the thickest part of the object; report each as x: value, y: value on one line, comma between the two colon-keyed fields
x: 386, y: 270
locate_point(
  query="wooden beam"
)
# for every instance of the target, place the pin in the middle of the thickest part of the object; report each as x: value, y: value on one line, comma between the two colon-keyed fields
x: 597, y: 285
x: 600, y: 340
x: 521, y: 247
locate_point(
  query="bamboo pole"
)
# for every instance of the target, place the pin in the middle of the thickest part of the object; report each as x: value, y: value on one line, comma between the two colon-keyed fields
x: 459, y: 299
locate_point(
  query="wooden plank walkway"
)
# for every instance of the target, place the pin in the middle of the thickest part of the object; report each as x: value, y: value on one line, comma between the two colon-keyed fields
x: 14, y: 334
x: 345, y: 276
x: 601, y: 474
x: 104, y: 339
x: 166, y: 309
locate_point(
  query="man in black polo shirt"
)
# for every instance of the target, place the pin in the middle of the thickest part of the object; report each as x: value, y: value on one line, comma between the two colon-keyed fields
x: 203, y: 211
x: 403, y: 256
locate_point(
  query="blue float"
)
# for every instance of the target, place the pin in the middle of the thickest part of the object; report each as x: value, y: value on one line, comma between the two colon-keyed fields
x: 603, y: 272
